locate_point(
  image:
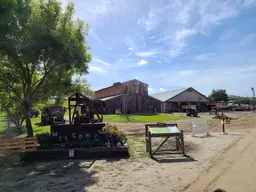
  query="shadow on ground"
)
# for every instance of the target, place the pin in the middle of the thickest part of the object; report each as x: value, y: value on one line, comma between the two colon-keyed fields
x: 63, y: 175
x: 41, y: 125
x: 162, y: 159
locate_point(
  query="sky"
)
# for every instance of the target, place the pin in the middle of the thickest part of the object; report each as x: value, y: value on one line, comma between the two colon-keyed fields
x: 172, y: 44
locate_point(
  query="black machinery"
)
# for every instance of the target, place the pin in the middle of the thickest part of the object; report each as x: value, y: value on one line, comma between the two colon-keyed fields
x: 85, y: 110
x: 192, y: 112
x: 53, y: 115
x: 85, y: 118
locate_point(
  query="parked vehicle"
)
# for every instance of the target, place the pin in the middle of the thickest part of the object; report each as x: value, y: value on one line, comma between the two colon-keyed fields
x: 52, y: 114
x: 34, y: 113
x: 192, y: 112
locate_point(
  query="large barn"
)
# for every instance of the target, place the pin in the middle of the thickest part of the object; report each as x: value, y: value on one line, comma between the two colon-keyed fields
x: 180, y: 99
x: 130, y: 96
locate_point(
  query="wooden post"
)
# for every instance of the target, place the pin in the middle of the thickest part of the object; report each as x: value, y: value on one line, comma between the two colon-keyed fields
x: 149, y: 144
x: 146, y: 137
x: 69, y: 111
x: 182, y: 143
x: 223, y: 125
x: 177, y: 144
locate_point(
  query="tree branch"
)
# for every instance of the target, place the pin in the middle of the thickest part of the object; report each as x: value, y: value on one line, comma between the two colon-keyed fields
x: 42, y: 80
x: 7, y: 91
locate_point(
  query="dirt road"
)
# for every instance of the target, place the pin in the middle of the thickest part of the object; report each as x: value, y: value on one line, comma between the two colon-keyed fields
x: 235, y: 172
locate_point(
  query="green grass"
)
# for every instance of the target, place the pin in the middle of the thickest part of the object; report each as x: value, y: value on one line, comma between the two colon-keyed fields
x: 35, y: 123
x: 136, y: 118
x: 3, y: 122
x: 38, y: 129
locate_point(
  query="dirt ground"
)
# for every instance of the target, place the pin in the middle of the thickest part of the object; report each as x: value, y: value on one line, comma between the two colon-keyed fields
x: 219, y: 161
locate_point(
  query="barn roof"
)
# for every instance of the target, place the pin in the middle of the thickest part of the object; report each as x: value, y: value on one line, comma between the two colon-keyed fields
x: 164, y: 96
x: 134, y: 80
x: 120, y: 84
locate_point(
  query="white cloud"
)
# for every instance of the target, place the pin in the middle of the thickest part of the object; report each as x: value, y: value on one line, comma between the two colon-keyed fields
x: 150, y: 89
x: 231, y: 78
x: 152, y: 37
x: 152, y: 20
x: 102, y: 8
x: 96, y: 69
x: 130, y: 43
x: 145, y: 54
x: 213, y: 12
x: 131, y: 48
x: 94, y: 35
x: 204, y: 56
x: 162, y: 89
x: 177, y: 40
x: 228, y: 35
x: 142, y: 62
x: 64, y: 3
x: 249, y: 39
x: 179, y: 20
x: 102, y: 62
x: 187, y: 73
x: 248, y: 3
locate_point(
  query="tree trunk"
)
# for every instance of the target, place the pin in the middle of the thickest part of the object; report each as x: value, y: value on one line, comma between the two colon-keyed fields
x: 19, y: 127
x: 28, y: 122
x: 17, y: 120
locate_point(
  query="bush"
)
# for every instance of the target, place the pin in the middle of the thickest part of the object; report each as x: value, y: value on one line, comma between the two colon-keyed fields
x: 109, y: 134
x: 112, y: 135
x: 45, y: 140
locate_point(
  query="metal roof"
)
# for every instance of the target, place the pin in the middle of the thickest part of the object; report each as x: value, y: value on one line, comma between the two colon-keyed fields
x: 108, y: 98
x: 164, y: 96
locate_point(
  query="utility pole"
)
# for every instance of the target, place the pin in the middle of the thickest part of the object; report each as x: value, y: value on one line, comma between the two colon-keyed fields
x: 253, y: 93
x: 253, y: 97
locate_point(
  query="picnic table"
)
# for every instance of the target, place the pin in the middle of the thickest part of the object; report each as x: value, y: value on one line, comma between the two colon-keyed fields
x: 167, y: 131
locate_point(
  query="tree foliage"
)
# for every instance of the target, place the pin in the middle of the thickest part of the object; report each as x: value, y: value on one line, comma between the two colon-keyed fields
x: 218, y: 95
x: 79, y: 85
x: 41, y: 48
x: 13, y: 110
x: 246, y: 100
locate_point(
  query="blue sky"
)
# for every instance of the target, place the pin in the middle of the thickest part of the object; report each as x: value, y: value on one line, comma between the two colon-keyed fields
x: 169, y: 44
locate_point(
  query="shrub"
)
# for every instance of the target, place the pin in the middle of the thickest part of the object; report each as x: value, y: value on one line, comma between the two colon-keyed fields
x: 45, y: 140
x: 112, y: 135
x: 109, y: 134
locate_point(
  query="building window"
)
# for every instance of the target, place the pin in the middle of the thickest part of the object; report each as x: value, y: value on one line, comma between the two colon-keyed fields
x: 137, y: 89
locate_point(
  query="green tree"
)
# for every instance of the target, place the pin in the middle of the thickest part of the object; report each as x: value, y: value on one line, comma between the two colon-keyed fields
x: 218, y: 95
x: 41, y: 48
x: 13, y: 110
x: 79, y: 85
x: 246, y: 100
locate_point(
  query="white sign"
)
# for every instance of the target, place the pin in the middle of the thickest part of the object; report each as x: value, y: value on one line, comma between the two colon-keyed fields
x: 71, y: 153
x: 199, y: 127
